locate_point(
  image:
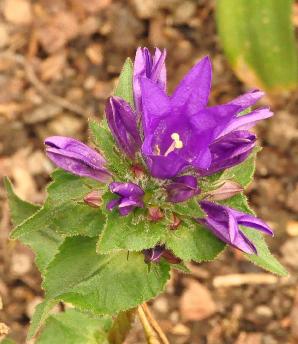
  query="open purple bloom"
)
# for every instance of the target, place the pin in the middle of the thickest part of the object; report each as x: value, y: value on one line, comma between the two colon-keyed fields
x: 224, y: 223
x: 151, y: 67
x: 77, y: 158
x: 234, y: 143
x: 122, y: 122
x: 130, y: 197
x: 182, y: 188
x: 179, y: 129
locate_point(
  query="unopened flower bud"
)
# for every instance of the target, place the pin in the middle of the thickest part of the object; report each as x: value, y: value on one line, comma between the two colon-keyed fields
x: 155, y: 214
x: 94, y: 198
x: 226, y: 190
x: 170, y: 257
x: 138, y: 171
x: 175, y: 222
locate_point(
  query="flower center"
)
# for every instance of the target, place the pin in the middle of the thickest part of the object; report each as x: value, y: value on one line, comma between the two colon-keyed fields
x: 176, y: 144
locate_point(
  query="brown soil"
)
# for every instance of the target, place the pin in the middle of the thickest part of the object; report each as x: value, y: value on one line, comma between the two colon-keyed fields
x: 62, y: 58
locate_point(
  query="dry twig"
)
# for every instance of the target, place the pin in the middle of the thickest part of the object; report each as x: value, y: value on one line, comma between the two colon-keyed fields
x: 234, y: 280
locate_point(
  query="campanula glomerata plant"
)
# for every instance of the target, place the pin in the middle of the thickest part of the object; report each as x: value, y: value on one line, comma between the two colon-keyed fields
x: 161, y: 185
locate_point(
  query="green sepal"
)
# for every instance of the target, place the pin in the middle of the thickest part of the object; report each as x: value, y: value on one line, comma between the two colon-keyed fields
x: 124, y: 88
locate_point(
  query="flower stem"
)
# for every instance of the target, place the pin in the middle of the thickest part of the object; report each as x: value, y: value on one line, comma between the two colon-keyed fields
x: 154, y: 333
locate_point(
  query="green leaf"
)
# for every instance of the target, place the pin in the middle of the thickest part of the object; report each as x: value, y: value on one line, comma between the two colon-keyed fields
x: 124, y: 88
x: 7, y: 341
x: 75, y: 327
x: 41, y: 313
x: 244, y: 172
x: 194, y: 242
x: 264, y: 259
x: 189, y: 208
x: 132, y: 232
x: 19, y: 209
x: 121, y: 327
x: 259, y: 41
x: 43, y: 242
x: 103, y: 284
x: 103, y: 139
x: 57, y: 214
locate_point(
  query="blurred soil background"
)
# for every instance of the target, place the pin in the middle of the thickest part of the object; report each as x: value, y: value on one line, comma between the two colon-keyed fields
x: 59, y: 61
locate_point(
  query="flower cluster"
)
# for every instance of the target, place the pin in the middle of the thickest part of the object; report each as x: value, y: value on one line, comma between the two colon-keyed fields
x: 178, y: 140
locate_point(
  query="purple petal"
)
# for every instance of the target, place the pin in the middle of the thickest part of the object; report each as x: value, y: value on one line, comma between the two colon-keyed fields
x: 247, y: 121
x: 230, y: 150
x: 182, y: 188
x: 123, y: 124
x: 147, y: 67
x: 252, y: 222
x: 159, y: 72
x: 155, y: 105
x: 248, y: 99
x: 154, y: 254
x: 224, y: 223
x: 126, y: 189
x: 113, y: 203
x: 213, y: 120
x: 192, y: 93
x: 77, y: 158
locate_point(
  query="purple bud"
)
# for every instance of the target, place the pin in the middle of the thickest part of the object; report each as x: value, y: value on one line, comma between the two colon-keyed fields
x: 227, y: 190
x: 151, y: 67
x: 130, y: 196
x: 154, y: 254
x: 122, y: 122
x: 182, y: 188
x: 77, y: 158
x: 94, y: 198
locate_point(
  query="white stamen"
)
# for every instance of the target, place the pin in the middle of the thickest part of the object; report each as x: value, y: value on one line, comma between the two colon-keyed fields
x: 176, y: 144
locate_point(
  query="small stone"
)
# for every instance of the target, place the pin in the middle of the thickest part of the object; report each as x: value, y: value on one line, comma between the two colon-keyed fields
x: 263, y: 314
x: 290, y: 252
x: 181, y: 330
x: 184, y: 11
x: 4, y: 38
x: 292, y: 228
x: 145, y: 8
x: 292, y: 201
x: 196, y: 302
x: 161, y: 305
x: 20, y: 264
x: 95, y: 53
x: 18, y: 12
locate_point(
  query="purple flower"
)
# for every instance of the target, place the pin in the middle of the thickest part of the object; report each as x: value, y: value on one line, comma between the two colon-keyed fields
x: 130, y: 197
x: 182, y: 188
x: 151, y: 67
x: 77, y: 158
x: 234, y: 143
x: 179, y: 129
x: 230, y: 150
x: 224, y: 223
x: 122, y: 122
